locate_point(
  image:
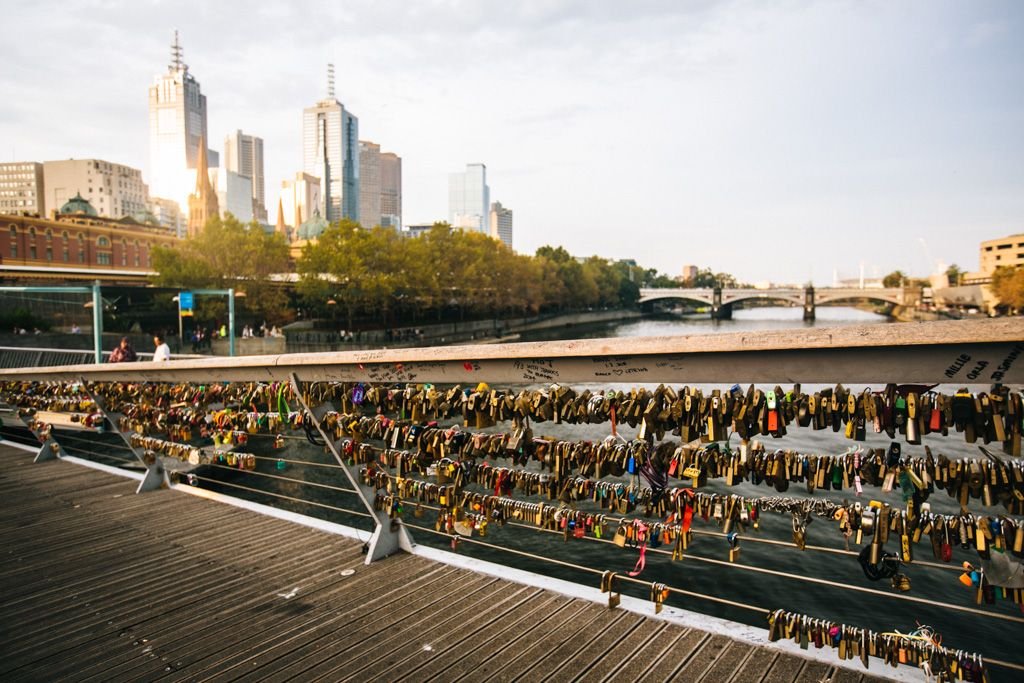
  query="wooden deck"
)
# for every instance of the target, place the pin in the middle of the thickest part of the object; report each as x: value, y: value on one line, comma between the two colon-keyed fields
x: 102, y: 584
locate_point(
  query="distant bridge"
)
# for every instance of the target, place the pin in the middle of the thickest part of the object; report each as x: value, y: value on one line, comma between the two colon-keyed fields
x: 721, y: 300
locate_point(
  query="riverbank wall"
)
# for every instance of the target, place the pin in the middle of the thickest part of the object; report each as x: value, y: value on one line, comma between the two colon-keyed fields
x: 302, y: 339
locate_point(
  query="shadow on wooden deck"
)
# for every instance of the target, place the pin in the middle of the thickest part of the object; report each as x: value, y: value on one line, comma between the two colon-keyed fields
x: 102, y: 584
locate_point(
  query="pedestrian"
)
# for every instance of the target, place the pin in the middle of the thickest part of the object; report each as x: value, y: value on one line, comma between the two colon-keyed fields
x: 163, y: 351
x: 123, y: 353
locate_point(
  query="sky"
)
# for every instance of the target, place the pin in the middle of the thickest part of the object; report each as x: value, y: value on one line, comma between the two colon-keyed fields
x: 781, y: 141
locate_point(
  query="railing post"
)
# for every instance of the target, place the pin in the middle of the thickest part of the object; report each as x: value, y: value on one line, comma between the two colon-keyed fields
x: 231, y: 322
x: 387, y: 538
x: 156, y: 475
x: 97, y: 321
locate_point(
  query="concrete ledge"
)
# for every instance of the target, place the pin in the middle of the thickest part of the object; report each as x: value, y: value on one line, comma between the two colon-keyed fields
x: 930, y: 352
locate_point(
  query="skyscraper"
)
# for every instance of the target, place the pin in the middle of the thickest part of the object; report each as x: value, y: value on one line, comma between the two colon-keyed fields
x: 501, y: 223
x: 330, y: 151
x: 369, y: 184
x: 177, y: 124
x: 234, y: 195
x: 469, y: 199
x: 243, y: 154
x: 391, y: 190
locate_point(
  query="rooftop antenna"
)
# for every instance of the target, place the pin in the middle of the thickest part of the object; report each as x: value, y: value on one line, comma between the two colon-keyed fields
x: 330, y: 81
x: 176, y: 54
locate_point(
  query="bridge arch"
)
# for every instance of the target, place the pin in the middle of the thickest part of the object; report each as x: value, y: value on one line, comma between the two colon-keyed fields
x: 825, y: 297
x: 702, y: 296
x: 791, y: 296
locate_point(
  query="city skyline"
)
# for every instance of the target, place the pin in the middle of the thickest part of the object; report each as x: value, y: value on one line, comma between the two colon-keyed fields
x: 774, y: 143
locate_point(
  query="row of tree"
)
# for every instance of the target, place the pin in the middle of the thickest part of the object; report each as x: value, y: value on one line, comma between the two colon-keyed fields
x: 379, y: 273
x: 352, y: 272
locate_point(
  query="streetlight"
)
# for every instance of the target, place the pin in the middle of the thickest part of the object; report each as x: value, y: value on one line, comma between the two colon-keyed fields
x: 334, y: 323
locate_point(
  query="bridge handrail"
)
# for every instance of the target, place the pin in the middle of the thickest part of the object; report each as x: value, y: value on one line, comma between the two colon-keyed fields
x: 899, y: 352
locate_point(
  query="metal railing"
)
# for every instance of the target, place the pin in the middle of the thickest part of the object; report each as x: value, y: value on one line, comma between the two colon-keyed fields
x: 311, y: 459
x: 12, y: 357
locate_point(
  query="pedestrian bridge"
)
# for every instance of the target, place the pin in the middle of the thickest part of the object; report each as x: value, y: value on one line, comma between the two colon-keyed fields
x: 721, y: 300
x: 315, y: 517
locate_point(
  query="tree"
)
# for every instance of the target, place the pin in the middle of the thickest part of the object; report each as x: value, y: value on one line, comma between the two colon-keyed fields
x: 225, y: 254
x: 332, y: 268
x: 894, y: 279
x: 953, y: 274
x: 1008, y: 286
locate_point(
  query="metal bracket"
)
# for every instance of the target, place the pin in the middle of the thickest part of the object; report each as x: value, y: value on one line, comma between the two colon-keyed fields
x: 156, y: 475
x: 156, y: 478
x: 50, y: 448
x: 385, y: 539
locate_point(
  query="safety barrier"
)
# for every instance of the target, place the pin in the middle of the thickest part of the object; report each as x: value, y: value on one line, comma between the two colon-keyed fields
x: 400, y: 444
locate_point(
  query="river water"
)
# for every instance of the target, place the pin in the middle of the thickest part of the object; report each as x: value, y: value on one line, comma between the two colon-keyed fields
x: 853, y: 599
x: 743, y: 320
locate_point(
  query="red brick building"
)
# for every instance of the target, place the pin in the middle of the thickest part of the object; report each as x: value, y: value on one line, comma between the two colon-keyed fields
x: 76, y: 244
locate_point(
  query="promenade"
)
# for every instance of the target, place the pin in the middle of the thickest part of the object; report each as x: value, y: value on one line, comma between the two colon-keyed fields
x: 102, y: 584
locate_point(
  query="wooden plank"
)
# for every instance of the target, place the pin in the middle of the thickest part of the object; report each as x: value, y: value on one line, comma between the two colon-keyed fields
x: 589, y: 653
x: 373, y: 627
x: 666, y: 659
x: 537, y: 640
x: 814, y: 671
x: 703, y: 659
x: 901, y: 352
x: 755, y: 666
x: 727, y: 662
x: 83, y: 624
x: 476, y: 664
x: 383, y: 591
x: 487, y: 649
x: 172, y: 563
x: 239, y: 611
x: 231, y: 649
x: 448, y: 640
x: 784, y: 669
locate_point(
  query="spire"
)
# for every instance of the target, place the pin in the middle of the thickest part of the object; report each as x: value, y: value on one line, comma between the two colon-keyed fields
x: 202, y: 205
x: 176, y: 54
x: 202, y: 170
x: 281, y: 227
x: 330, y: 81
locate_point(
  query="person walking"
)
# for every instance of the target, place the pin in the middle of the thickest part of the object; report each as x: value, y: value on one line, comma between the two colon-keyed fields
x: 123, y: 353
x: 163, y: 351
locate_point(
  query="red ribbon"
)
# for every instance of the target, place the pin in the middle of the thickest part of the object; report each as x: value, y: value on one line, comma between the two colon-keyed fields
x: 642, y: 560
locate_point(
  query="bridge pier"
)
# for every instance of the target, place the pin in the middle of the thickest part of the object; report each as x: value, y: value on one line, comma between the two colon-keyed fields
x: 809, y: 313
x: 720, y: 311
